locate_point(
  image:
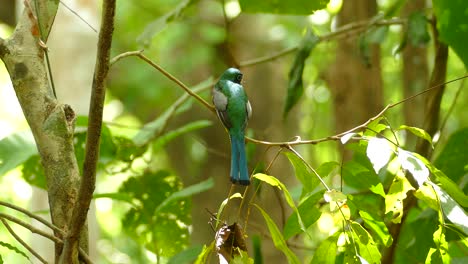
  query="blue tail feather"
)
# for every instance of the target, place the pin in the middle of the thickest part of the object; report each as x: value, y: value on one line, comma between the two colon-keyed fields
x: 239, y: 170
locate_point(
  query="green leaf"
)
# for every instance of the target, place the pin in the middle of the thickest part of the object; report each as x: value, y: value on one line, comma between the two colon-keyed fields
x: 292, y: 7
x: 304, y: 175
x: 453, y: 158
x: 417, y: 29
x: 326, y: 168
x: 170, y: 135
x: 162, y: 230
x: 358, y: 175
x: 205, y: 253
x: 378, y: 227
x: 295, y: 85
x: 375, y: 127
x: 158, y: 25
x: 33, y: 172
x: 395, y: 196
x: 188, y: 255
x: 14, y: 249
x: 417, y: 132
x: 21, y: 144
x: 368, y: 250
x: 187, y: 192
x: 379, y: 151
x: 326, y: 251
x: 278, y: 239
x: 452, y: 24
x: 309, y: 212
x: 427, y: 194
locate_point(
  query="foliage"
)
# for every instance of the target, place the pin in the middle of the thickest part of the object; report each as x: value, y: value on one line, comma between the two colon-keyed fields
x: 384, y: 185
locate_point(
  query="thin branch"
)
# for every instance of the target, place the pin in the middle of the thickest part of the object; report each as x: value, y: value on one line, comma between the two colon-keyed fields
x: 30, y: 227
x: 35, y: 230
x: 452, y: 106
x: 124, y: 55
x: 38, y: 218
x: 352, y: 28
x: 139, y: 53
x: 21, y: 241
x: 76, y: 14
x: 88, y: 181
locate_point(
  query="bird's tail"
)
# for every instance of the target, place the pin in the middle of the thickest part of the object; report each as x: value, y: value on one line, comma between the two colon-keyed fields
x: 239, y: 171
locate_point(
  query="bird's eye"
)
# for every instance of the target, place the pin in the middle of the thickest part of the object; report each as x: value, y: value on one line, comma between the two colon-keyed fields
x: 239, y: 78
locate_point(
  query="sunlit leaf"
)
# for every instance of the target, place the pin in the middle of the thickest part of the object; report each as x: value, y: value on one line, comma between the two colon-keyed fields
x: 277, y: 237
x: 326, y: 168
x: 427, y: 194
x: 440, y: 253
x: 326, y: 251
x: 345, y: 138
x: 368, y: 250
x: 414, y: 165
x: 309, y: 212
x: 452, y: 24
x: 295, y: 84
x: 21, y: 144
x: 379, y: 153
x: 187, y: 192
x: 451, y: 209
x: 395, y: 196
x: 378, y: 227
x: 335, y: 198
x: 203, y: 257
x: 375, y: 127
x: 292, y: 7
x: 417, y: 132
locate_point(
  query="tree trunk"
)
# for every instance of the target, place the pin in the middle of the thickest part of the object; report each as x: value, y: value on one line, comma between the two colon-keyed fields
x: 356, y: 87
x: 51, y: 123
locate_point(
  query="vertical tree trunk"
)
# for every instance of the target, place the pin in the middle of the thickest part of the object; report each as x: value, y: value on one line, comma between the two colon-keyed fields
x: 356, y: 87
x: 415, y: 76
x: 51, y: 123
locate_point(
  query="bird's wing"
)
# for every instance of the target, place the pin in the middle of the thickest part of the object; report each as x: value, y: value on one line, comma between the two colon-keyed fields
x: 220, y: 101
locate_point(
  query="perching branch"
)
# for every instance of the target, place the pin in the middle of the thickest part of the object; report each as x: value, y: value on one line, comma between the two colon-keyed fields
x: 88, y: 181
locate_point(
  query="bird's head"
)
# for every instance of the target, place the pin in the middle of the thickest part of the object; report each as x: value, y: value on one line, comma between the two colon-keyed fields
x: 233, y: 75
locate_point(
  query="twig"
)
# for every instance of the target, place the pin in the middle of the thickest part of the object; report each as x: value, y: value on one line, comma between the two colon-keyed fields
x: 30, y: 227
x: 353, y: 28
x: 88, y: 181
x: 452, y: 106
x: 76, y: 14
x: 139, y: 53
x: 35, y: 230
x: 21, y: 241
x: 310, y: 167
x: 28, y: 213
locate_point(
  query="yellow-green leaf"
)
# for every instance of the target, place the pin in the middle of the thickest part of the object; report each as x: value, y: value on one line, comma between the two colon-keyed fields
x: 395, y: 196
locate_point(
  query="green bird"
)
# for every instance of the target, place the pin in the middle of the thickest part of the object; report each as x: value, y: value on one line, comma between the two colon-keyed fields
x: 234, y: 110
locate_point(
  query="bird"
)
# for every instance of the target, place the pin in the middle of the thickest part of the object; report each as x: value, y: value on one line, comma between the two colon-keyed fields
x: 234, y: 110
